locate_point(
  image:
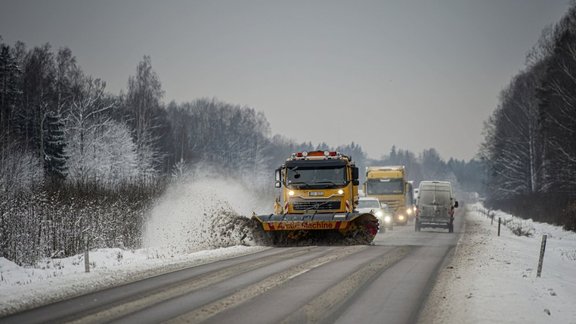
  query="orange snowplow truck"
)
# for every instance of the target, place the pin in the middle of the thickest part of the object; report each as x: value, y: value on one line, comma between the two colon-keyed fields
x: 318, y: 196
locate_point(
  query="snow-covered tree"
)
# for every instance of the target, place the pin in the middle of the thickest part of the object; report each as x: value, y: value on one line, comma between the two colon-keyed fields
x: 230, y: 136
x: 514, y: 147
x: 38, y: 88
x: 53, y: 146
x: 68, y: 80
x: 20, y: 169
x: 106, y: 154
x: 433, y: 166
x: 100, y: 149
x: 558, y: 105
x: 9, y: 91
x: 147, y: 119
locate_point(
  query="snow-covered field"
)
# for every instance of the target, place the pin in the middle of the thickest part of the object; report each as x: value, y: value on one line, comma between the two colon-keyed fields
x: 490, y: 280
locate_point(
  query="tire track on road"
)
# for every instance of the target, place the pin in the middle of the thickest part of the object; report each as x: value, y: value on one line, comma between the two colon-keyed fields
x: 327, y: 306
x: 252, y: 291
x: 148, y: 298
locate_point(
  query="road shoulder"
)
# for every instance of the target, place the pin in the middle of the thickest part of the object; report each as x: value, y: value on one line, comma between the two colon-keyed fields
x: 492, y: 278
x: 448, y: 301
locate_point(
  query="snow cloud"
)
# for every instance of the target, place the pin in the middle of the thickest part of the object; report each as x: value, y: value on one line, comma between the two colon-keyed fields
x: 202, y: 212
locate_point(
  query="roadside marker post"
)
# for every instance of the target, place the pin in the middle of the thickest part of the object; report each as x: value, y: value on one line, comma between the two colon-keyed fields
x: 542, y: 250
x: 86, y: 250
x: 86, y: 259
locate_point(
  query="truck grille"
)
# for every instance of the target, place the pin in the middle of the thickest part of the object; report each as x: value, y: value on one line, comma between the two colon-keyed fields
x: 392, y: 204
x: 316, y: 205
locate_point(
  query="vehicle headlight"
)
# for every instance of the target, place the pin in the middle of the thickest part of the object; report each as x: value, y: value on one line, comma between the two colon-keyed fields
x: 387, y: 219
x: 340, y: 191
x: 379, y: 213
x: 409, y: 211
x: 401, y: 217
x: 291, y: 193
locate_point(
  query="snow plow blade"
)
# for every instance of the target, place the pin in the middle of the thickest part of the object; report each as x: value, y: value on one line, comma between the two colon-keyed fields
x: 359, y: 226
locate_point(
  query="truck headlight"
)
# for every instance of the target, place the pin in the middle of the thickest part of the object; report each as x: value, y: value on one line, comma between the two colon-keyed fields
x: 401, y: 217
x: 387, y: 219
x: 379, y: 213
x: 291, y: 193
x: 340, y: 191
x: 409, y: 211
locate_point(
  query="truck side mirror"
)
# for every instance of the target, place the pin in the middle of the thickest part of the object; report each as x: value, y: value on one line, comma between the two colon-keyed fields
x: 278, y: 179
x: 355, y: 182
x: 355, y: 175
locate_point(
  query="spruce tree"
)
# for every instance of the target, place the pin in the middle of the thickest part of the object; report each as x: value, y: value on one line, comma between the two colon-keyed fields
x: 54, y: 158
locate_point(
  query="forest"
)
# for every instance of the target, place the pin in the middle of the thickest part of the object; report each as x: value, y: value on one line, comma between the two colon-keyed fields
x: 80, y: 165
x: 530, y: 140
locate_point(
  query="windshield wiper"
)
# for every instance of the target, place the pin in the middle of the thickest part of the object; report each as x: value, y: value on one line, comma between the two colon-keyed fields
x: 301, y: 184
x: 329, y: 182
x: 296, y: 173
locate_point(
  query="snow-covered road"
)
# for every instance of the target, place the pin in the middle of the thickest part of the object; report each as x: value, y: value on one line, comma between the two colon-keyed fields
x: 490, y: 279
x: 296, y: 285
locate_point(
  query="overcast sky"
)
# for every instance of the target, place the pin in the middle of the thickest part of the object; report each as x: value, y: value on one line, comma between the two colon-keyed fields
x: 415, y: 74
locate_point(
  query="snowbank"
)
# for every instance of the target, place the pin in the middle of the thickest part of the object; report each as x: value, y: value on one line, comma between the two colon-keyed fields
x: 492, y: 279
x: 54, y: 279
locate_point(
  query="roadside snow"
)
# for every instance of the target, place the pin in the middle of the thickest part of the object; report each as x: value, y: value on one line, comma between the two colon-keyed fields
x: 493, y: 279
x: 55, y: 279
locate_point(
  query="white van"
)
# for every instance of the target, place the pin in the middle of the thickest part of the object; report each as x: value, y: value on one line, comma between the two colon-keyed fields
x: 435, y: 207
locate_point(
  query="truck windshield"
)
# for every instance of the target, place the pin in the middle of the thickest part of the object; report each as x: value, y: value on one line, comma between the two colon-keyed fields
x: 384, y: 186
x: 324, y: 177
x: 434, y: 197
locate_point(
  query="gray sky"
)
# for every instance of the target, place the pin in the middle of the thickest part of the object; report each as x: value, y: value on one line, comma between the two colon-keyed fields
x: 417, y: 74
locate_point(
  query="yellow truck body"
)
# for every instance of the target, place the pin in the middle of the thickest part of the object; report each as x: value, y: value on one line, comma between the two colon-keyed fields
x: 389, y: 185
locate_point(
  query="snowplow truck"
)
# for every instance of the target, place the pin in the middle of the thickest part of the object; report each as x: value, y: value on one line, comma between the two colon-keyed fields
x: 318, y: 196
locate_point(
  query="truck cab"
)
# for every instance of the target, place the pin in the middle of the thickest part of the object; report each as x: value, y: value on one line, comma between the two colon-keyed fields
x: 389, y: 185
x: 318, y: 192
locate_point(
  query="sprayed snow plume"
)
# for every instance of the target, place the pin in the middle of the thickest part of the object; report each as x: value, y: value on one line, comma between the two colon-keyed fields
x: 204, y: 213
